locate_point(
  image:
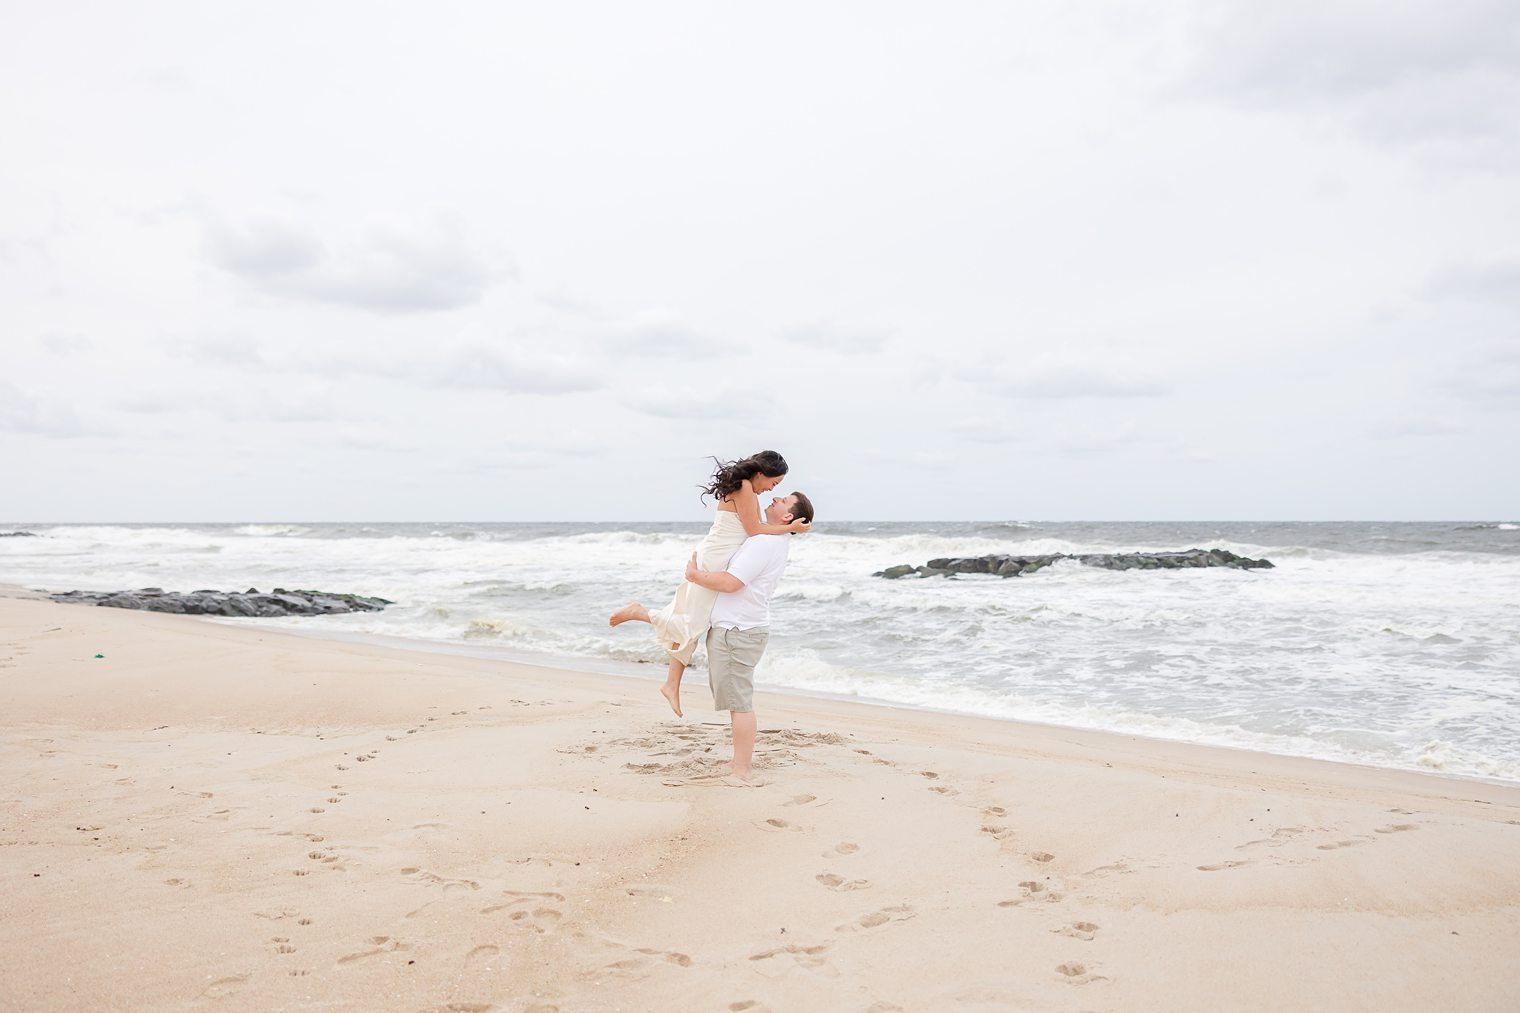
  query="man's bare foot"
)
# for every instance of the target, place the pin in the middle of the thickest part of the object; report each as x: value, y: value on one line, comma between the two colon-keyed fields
x: 672, y: 695
x: 633, y: 611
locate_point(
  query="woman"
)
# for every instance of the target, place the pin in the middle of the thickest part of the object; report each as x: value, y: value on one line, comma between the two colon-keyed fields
x: 682, y: 624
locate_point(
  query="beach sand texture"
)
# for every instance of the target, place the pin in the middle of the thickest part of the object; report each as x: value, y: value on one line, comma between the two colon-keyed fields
x: 211, y: 817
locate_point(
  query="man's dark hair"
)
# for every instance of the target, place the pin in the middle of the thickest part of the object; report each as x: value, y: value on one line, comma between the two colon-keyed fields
x: 803, y: 511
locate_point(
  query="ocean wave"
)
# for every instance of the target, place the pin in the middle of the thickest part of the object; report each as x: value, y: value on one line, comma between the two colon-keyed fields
x: 812, y: 592
x: 271, y: 530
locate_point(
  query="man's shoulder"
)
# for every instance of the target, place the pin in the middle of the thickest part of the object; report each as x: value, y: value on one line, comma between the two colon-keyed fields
x: 762, y: 550
x: 771, y: 544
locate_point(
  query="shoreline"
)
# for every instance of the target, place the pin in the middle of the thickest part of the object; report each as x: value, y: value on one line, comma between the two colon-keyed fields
x: 630, y: 671
x: 214, y: 816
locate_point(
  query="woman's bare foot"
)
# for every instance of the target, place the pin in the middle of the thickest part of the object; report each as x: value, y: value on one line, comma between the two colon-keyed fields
x: 672, y: 695
x: 632, y: 612
x: 744, y: 774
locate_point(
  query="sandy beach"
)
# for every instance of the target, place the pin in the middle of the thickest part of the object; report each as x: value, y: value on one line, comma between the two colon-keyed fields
x: 203, y: 816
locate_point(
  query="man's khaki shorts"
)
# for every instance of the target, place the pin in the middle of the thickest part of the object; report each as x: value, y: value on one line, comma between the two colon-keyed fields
x: 731, y: 659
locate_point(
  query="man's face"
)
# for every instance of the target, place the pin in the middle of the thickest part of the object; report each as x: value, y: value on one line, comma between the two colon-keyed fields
x: 781, y: 510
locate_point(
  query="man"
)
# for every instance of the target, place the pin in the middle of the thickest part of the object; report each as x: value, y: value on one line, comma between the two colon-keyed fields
x: 741, y: 620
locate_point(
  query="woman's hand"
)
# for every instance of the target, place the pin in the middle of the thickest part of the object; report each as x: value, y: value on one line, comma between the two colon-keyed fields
x: 691, y: 567
x: 798, y: 527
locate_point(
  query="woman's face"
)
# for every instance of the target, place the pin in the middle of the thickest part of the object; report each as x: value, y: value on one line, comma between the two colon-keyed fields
x: 765, y: 483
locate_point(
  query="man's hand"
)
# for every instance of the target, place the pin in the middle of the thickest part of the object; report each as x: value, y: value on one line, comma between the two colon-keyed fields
x: 713, y: 580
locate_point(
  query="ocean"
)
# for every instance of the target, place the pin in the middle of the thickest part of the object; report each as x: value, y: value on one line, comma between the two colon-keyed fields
x: 1390, y: 644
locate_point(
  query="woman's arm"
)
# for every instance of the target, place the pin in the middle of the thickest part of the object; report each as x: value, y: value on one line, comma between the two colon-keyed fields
x: 747, y: 506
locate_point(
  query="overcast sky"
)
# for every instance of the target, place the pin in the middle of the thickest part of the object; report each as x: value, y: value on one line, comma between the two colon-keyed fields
x: 488, y: 261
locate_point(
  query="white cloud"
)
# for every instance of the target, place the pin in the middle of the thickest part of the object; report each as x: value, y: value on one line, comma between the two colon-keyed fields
x: 385, y: 269
x: 1440, y: 77
x: 47, y: 416
x: 1056, y: 379
x: 945, y: 252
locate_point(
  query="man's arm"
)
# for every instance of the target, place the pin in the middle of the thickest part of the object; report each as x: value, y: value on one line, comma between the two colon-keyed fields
x: 713, y: 580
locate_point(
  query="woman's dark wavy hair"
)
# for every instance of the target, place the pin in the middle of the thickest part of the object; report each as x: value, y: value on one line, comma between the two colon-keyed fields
x: 726, y: 478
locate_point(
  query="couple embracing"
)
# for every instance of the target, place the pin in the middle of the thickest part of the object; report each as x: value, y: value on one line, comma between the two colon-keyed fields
x: 725, y: 599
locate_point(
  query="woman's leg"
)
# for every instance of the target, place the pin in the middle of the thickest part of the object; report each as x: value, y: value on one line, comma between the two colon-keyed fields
x: 671, y: 691
x: 632, y: 612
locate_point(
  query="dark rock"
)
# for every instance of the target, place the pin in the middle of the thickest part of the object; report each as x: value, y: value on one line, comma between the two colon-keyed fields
x: 18, y: 534
x: 1018, y: 566
x: 229, y: 603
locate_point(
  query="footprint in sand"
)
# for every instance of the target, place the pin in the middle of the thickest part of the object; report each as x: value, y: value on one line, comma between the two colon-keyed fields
x: 282, y: 945
x: 841, y: 884
x: 316, y: 809
x: 1396, y: 828
x: 801, y: 800
x: 931, y: 775
x: 806, y: 956
x: 540, y: 920
x: 181, y: 883
x: 299, y: 974
x: 378, y: 945
x: 529, y: 910
x: 1221, y: 866
x: 994, y: 810
x: 1031, y: 889
x: 1041, y: 856
x: 878, y: 918
x: 648, y: 958
x: 1334, y: 845
x: 663, y: 894
x: 1280, y: 836
x: 1078, y: 930
x: 481, y: 954
x: 1076, y: 973
x: 996, y: 831
x: 448, y: 884
x: 300, y: 872
x: 943, y: 789
x: 841, y: 849
x: 222, y: 987
x: 776, y: 824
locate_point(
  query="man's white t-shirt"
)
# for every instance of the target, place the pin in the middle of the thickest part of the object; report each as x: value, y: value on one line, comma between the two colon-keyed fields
x: 759, y: 563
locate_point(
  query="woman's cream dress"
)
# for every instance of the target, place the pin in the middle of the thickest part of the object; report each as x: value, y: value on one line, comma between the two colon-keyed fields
x: 682, y: 624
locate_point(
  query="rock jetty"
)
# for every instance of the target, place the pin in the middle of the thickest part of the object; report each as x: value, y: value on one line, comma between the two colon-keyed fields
x: 249, y: 604
x: 1017, y: 566
x: 18, y: 534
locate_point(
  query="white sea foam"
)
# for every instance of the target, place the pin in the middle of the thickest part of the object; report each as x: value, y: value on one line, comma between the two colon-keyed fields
x: 270, y: 530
